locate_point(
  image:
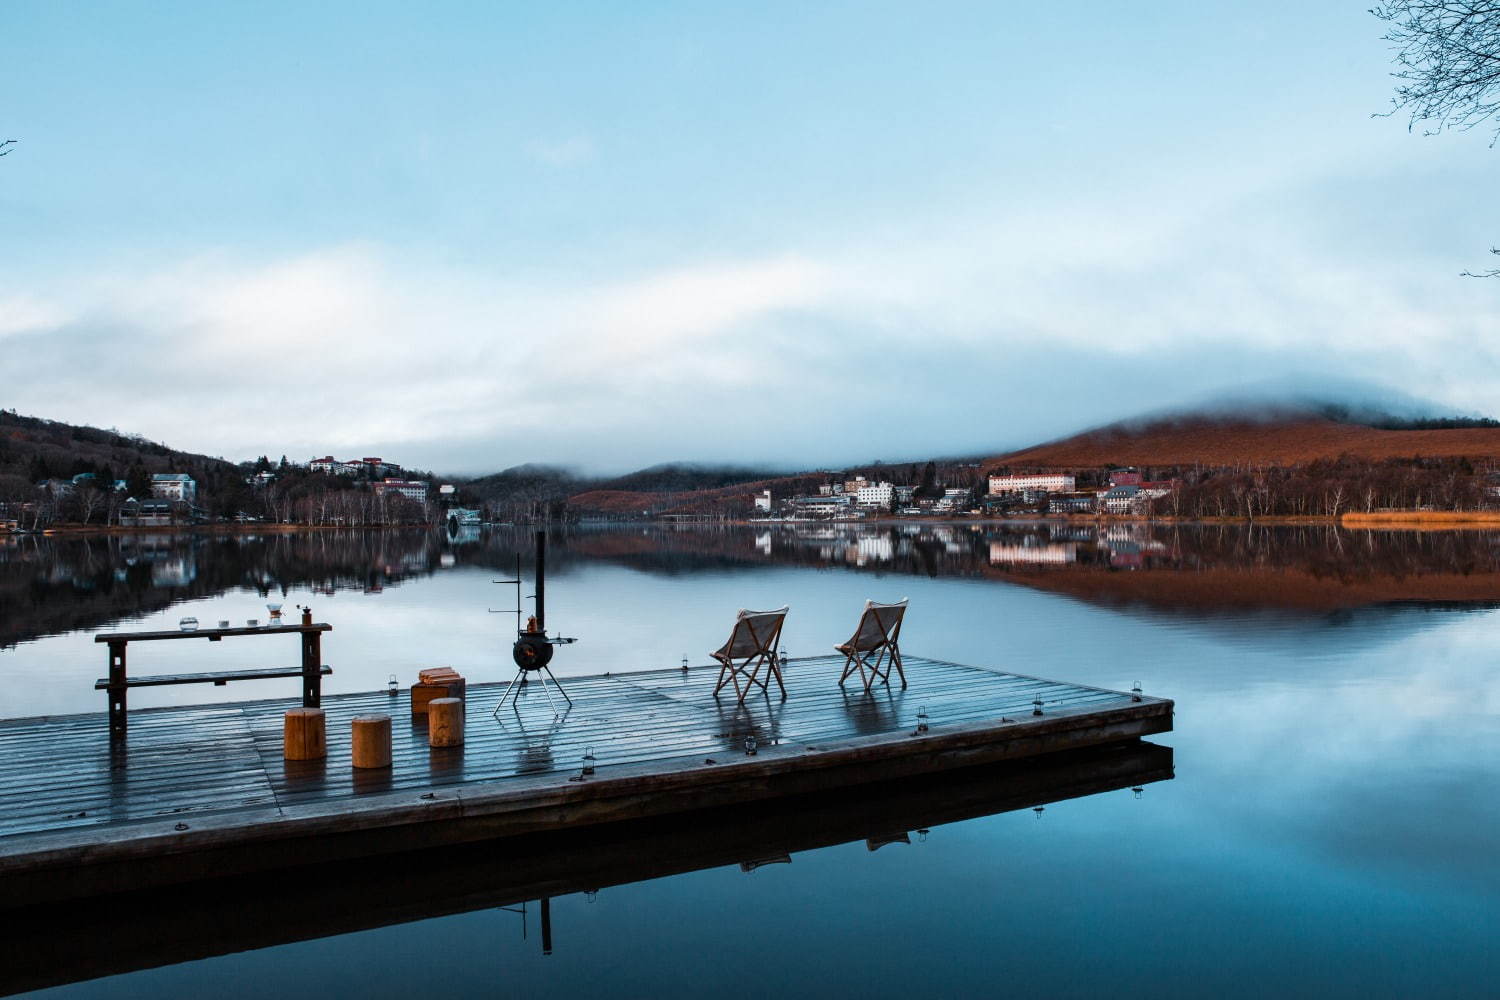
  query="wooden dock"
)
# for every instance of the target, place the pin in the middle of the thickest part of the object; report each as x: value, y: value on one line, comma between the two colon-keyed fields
x: 200, y: 792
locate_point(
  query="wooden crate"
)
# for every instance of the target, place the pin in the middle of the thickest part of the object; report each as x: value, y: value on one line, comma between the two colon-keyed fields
x: 437, y: 686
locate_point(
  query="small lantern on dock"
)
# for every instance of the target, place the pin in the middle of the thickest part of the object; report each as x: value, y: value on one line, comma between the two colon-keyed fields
x: 1135, y: 692
x: 391, y: 687
x: 750, y: 746
x: 588, y: 760
x: 684, y: 664
x: 1036, y: 705
x: 922, y: 719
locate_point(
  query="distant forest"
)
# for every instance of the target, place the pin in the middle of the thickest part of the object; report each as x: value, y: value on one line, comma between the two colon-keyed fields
x: 35, y: 451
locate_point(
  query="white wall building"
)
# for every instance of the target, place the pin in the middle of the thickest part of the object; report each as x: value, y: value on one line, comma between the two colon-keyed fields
x: 875, y: 494
x: 410, y: 488
x: 1052, y: 482
x: 952, y: 499
x: 763, y: 501
x: 821, y: 506
x: 174, y: 486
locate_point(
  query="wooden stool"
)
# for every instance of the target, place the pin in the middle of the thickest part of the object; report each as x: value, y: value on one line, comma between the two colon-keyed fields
x: 372, y: 741
x: 445, y: 722
x: 304, y: 734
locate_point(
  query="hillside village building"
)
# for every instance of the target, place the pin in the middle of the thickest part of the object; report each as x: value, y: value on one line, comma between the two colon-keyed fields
x: 375, y: 466
x: 177, y: 486
x: 874, y: 494
x: 411, y: 489
x: 1051, y: 482
x: 952, y: 499
x: 820, y: 506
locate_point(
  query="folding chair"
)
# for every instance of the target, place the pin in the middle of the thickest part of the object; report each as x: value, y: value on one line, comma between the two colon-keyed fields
x: 875, y: 644
x: 752, y: 645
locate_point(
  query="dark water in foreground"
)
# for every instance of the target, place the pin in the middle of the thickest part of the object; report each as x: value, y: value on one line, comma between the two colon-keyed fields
x: 1331, y: 829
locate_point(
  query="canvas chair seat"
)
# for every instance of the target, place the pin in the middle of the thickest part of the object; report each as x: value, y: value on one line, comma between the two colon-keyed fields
x: 752, y: 646
x: 875, y: 646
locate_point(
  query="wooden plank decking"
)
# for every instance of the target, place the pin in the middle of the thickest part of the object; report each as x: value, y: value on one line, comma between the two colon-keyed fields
x: 205, y: 788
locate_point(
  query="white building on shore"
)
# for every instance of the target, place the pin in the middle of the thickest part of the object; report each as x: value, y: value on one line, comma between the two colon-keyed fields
x: 410, y: 488
x: 1051, y: 482
x: 177, y: 486
x: 874, y: 495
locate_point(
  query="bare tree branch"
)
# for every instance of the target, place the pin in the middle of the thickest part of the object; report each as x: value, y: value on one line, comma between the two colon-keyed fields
x: 1493, y: 272
x: 5, y: 147
x: 1448, y: 65
x: 1448, y: 62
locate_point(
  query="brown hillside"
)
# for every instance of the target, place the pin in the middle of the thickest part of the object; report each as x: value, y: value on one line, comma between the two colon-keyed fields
x: 624, y: 503
x: 1230, y: 442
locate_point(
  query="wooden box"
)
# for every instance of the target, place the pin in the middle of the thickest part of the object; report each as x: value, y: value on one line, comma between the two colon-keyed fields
x: 435, y: 684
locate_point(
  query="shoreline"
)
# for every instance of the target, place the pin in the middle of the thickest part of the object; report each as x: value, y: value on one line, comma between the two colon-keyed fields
x: 1403, y: 519
x: 80, y: 530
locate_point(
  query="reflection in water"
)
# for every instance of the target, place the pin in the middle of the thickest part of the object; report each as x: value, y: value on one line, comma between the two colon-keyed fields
x: 535, y: 754
x: 183, y: 923
x: 743, y: 729
x: 53, y: 585
x: 1337, y: 702
x: 874, y: 710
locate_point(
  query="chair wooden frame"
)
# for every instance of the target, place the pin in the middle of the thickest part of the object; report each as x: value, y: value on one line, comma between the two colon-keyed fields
x: 752, y: 644
x: 875, y: 645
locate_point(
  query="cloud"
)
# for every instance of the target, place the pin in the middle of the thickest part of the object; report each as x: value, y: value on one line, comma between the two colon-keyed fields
x: 23, y: 313
x: 946, y: 335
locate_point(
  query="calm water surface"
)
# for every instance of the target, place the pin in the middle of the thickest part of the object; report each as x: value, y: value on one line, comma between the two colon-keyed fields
x: 1331, y: 830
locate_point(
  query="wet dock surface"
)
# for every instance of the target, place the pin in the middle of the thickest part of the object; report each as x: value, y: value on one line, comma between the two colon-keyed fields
x: 59, y: 773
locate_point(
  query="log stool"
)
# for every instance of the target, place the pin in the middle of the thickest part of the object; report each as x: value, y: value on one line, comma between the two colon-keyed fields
x: 372, y: 741
x: 445, y: 722
x: 304, y: 734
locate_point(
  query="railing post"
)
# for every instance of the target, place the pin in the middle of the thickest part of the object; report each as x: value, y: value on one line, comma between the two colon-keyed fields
x: 312, y: 669
x: 117, y: 689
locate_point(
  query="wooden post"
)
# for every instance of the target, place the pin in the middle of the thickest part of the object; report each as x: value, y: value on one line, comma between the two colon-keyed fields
x: 445, y: 722
x: 304, y: 734
x: 372, y: 741
x: 312, y: 663
x: 541, y: 581
x: 117, y: 690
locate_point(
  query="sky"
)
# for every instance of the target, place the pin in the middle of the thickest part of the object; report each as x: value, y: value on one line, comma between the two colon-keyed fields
x: 465, y: 236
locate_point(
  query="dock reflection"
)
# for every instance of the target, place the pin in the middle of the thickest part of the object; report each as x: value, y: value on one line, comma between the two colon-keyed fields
x: 141, y: 930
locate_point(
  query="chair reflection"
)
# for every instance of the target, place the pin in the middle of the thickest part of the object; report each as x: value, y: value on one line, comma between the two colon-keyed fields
x: 873, y: 711
x: 747, y: 727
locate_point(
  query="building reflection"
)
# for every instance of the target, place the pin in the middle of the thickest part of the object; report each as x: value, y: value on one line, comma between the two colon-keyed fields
x: 56, y: 584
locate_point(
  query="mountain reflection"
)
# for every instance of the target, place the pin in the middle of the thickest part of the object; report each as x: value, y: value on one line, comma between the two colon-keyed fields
x: 51, y: 585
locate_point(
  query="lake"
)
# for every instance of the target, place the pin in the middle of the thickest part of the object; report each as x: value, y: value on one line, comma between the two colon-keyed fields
x: 1330, y: 829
